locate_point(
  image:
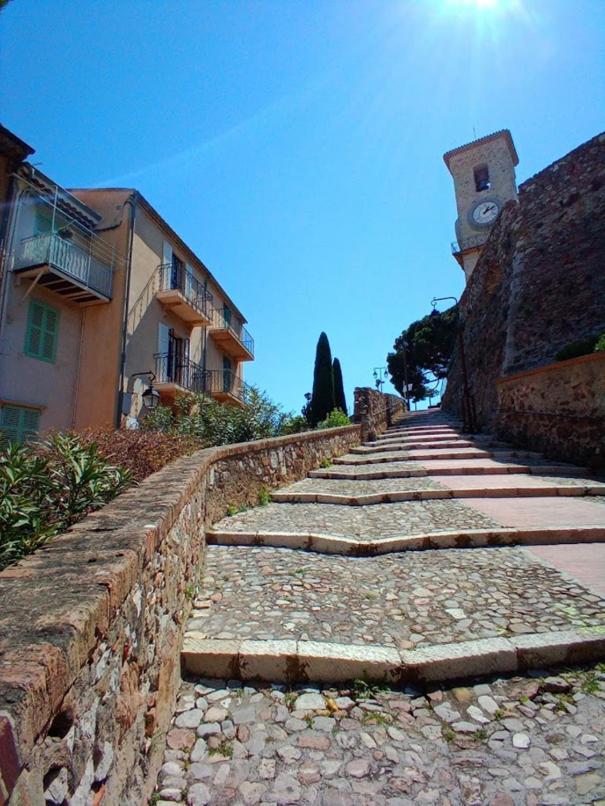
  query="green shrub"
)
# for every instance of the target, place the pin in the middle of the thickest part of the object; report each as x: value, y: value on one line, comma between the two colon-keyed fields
x: 210, y: 423
x: 46, y: 487
x: 578, y: 348
x: 335, y: 418
x: 600, y: 345
x: 295, y: 424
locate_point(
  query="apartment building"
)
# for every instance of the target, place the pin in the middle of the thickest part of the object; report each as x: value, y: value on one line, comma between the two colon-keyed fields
x: 99, y: 298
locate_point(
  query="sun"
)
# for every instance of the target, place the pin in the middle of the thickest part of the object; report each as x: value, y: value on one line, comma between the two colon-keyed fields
x: 482, y: 5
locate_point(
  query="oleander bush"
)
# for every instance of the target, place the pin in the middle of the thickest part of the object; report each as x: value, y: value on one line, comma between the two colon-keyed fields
x: 46, y: 487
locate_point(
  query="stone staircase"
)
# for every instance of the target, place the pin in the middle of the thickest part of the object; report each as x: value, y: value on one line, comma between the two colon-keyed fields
x: 359, y: 603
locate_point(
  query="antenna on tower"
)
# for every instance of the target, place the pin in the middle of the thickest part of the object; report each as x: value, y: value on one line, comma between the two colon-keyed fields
x: 474, y: 133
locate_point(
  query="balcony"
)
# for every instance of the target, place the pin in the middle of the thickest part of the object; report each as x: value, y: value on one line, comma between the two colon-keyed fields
x: 78, y: 271
x: 231, y: 337
x: 182, y: 294
x: 175, y: 376
x: 225, y: 387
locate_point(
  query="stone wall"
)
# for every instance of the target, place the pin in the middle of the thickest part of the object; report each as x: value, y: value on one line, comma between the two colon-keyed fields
x: 539, y: 283
x: 558, y: 409
x: 91, y: 625
x: 375, y: 411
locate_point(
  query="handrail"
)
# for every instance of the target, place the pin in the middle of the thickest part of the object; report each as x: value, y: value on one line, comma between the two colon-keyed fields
x: 468, y: 243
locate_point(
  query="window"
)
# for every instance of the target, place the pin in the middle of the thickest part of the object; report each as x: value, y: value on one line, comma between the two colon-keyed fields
x: 18, y: 423
x: 481, y: 174
x: 42, y: 332
x: 43, y: 221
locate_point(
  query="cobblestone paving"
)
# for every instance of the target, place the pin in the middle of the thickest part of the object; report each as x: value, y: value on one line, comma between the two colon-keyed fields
x: 504, y: 742
x: 402, y: 600
x: 363, y: 522
x: 360, y: 487
x: 376, y: 471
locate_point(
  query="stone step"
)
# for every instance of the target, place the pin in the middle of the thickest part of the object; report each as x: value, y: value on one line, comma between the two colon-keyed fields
x: 472, y: 491
x: 412, y: 456
x: 438, y: 467
x: 282, y: 615
x: 379, y: 447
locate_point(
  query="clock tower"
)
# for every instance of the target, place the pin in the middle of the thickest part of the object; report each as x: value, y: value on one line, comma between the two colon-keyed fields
x: 484, y: 180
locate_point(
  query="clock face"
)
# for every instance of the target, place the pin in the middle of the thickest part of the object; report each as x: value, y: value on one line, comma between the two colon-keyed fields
x: 485, y: 212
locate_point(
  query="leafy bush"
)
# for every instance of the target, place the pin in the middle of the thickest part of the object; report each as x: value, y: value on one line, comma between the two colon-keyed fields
x: 578, y: 348
x: 600, y: 345
x: 335, y: 418
x: 46, y: 487
x: 210, y: 423
x: 141, y: 452
x: 295, y: 424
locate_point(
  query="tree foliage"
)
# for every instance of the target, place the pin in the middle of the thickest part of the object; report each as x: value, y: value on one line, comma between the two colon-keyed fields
x: 322, y: 399
x: 424, y: 349
x: 340, y: 400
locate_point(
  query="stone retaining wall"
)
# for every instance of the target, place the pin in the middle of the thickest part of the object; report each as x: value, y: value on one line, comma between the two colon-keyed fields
x: 376, y: 411
x: 558, y: 410
x: 91, y: 626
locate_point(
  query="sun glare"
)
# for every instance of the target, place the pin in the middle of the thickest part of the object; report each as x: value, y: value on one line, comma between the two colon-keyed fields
x: 501, y: 6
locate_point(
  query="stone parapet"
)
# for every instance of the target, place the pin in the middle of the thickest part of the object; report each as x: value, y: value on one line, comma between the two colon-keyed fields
x: 558, y: 409
x: 92, y: 625
x: 376, y: 411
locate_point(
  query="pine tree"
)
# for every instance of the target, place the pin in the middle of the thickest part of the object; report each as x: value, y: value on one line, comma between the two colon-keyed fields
x: 340, y: 401
x: 322, y: 401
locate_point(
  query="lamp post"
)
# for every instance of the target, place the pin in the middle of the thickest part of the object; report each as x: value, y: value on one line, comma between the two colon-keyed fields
x: 468, y: 408
x: 380, y: 375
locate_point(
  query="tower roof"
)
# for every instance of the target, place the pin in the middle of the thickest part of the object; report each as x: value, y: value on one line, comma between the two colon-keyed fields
x: 502, y: 133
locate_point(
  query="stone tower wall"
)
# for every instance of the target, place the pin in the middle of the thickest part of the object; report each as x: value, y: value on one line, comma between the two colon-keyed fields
x: 540, y: 281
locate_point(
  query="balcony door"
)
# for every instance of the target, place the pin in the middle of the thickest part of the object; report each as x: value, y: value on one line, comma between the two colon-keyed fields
x: 173, y: 357
x: 227, y: 374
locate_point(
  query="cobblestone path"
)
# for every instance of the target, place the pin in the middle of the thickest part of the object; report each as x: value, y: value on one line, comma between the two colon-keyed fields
x: 403, y: 625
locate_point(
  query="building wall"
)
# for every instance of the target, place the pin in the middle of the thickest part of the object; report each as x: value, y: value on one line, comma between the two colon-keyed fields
x: 539, y: 283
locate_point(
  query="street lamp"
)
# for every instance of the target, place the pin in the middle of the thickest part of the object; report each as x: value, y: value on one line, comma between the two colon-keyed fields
x: 151, y: 396
x: 468, y: 408
x: 380, y: 375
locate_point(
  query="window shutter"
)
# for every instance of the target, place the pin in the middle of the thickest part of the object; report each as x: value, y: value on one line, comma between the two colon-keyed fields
x: 30, y: 423
x: 42, y: 331
x: 9, y: 423
x: 18, y: 423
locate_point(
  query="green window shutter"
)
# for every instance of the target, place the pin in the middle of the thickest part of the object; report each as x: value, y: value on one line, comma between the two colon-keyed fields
x: 42, y: 332
x: 18, y: 424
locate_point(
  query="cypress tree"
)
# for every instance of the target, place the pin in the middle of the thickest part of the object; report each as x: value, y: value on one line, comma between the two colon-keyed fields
x: 340, y: 401
x: 322, y: 401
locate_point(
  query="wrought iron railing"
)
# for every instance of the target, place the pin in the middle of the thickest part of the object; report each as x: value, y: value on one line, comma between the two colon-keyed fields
x: 178, y: 277
x: 225, y: 381
x: 468, y: 243
x: 73, y: 260
x: 169, y: 368
x: 219, y: 320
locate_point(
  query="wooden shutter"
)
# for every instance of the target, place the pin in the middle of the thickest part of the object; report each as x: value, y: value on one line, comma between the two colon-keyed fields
x: 18, y: 424
x: 42, y: 332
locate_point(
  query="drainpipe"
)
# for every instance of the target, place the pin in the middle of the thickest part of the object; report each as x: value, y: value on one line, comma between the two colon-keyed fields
x: 132, y: 203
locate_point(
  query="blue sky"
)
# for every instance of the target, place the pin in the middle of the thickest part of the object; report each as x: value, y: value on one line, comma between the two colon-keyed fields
x: 297, y: 146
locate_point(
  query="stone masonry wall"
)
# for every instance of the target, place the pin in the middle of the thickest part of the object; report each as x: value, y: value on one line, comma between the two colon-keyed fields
x: 558, y: 409
x: 539, y: 283
x: 376, y: 411
x: 91, y: 625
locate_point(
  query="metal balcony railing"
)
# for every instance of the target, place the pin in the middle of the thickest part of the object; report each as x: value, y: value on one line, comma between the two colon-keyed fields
x: 220, y: 321
x: 179, y: 278
x: 225, y: 382
x: 170, y: 368
x: 72, y: 259
x: 468, y: 243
